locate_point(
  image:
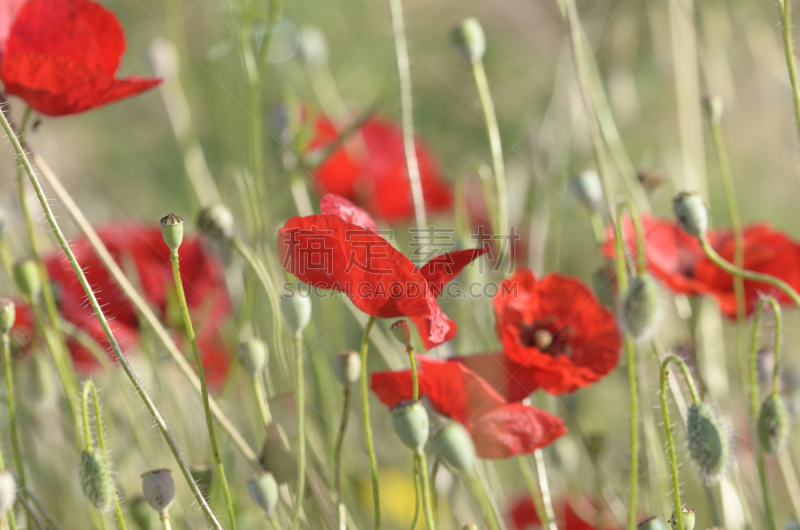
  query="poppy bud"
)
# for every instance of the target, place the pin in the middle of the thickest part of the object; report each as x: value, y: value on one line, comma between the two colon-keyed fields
x: 202, y: 474
x: 687, y: 515
x: 652, y: 523
x: 708, y: 445
x: 586, y: 187
x: 641, y: 306
x: 96, y: 482
x: 773, y: 424
x: 172, y: 231
x: 713, y: 107
x: 595, y: 444
x: 455, y: 446
x: 296, y: 308
x: 401, y: 332
x: 469, y: 40
x: 691, y: 212
x: 252, y: 355
x: 410, y: 421
x: 8, y: 491
x: 347, y: 367
x: 216, y: 221
x: 264, y: 492
x: 26, y: 276
x: 8, y: 315
x: 313, y: 49
x: 158, y: 489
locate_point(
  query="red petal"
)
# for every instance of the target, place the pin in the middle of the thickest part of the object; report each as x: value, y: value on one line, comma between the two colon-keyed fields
x: 514, y: 429
x: 331, y: 204
x: 8, y: 12
x: 513, y: 381
x: 444, y: 267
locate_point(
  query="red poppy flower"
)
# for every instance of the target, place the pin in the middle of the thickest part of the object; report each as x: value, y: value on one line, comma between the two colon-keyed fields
x: 677, y: 259
x: 499, y: 429
x: 61, y: 56
x: 373, y: 173
x: 340, y: 250
x: 8, y: 12
x: 575, y: 514
x: 140, y: 250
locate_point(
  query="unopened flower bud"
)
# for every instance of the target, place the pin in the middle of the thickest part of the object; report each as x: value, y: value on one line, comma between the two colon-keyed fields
x: 595, y: 444
x: 172, y: 231
x: 773, y: 424
x: 347, y: 367
x: 158, y: 489
x: 692, y: 213
x: 8, y: 491
x: 296, y: 308
x: 587, y: 188
x: 202, y: 474
x: 713, y: 107
x: 26, y: 276
x: 216, y: 221
x: 401, y: 332
x: 687, y: 515
x: 708, y: 445
x: 96, y: 482
x: 410, y: 421
x: 264, y: 492
x: 8, y: 315
x: 252, y: 355
x: 469, y: 40
x: 652, y: 523
x: 455, y: 446
x: 313, y: 48
x: 641, y: 307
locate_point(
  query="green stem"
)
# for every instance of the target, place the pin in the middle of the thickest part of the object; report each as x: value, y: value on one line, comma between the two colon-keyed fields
x: 187, y: 320
x: 479, y: 492
x: 338, y: 455
x: 533, y: 489
x: 426, y: 489
x: 301, y: 431
x: 416, y: 493
x: 16, y: 453
x: 784, y: 9
x: 165, y: 520
x: 261, y: 398
x: 373, y: 461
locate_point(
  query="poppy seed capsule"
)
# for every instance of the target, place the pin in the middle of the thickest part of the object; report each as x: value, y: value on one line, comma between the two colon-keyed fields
x: 708, y: 445
x: 773, y: 424
x: 8, y: 315
x: 652, y: 523
x: 8, y: 491
x: 691, y: 212
x: 313, y: 49
x: 469, y: 40
x: 172, y: 231
x: 347, y: 367
x: 455, y: 446
x: 688, y: 519
x: 401, y: 332
x: 252, y: 355
x: 158, y: 489
x: 586, y: 187
x: 264, y: 492
x: 296, y: 308
x: 641, y: 306
x: 26, y: 276
x: 96, y: 482
x: 216, y: 221
x: 410, y: 421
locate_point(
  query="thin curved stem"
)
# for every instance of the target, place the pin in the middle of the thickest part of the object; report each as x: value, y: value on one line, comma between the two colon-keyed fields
x: 479, y: 492
x: 261, y: 398
x: 785, y: 10
x: 300, y: 405
x: 16, y: 453
x: 338, y: 455
x: 638, y: 227
x: 537, y: 497
x: 415, y: 519
x: 373, y: 461
x: 427, y: 506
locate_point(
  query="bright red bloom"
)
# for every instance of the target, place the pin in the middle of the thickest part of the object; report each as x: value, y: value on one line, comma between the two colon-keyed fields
x: 331, y: 251
x: 676, y: 258
x: 499, y: 429
x: 576, y: 514
x: 372, y: 173
x: 61, y: 56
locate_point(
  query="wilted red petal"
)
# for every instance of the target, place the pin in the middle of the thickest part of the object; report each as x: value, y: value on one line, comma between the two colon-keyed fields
x: 444, y: 267
x: 513, y: 429
x: 331, y: 204
x: 513, y: 381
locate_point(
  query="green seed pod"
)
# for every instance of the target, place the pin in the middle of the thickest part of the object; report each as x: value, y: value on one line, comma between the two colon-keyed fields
x: 688, y: 519
x: 296, y: 308
x: 252, y: 355
x: 410, y: 421
x: 313, y: 49
x: 708, y: 445
x: 216, y: 221
x: 347, y: 367
x: 96, y: 481
x: 26, y: 276
x: 401, y: 332
x: 158, y: 489
x: 8, y: 491
x: 692, y: 213
x: 641, y: 307
x: 469, y: 40
x: 454, y: 445
x: 652, y: 523
x: 8, y: 315
x: 202, y: 474
x: 713, y: 107
x: 264, y: 492
x: 587, y: 189
x: 172, y: 231
x: 773, y: 425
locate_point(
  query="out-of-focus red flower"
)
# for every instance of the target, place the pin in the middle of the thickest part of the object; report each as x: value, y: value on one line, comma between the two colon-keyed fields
x: 61, y: 56
x: 373, y: 173
x: 499, y: 429
x: 8, y: 12
x: 677, y: 259
x: 575, y: 514
x: 140, y: 250
x: 331, y: 251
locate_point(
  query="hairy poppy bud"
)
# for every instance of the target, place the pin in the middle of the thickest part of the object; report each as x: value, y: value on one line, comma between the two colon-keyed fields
x: 296, y: 308
x: 313, y: 48
x: 252, y: 355
x: 641, y: 306
x: 687, y: 515
x: 96, y: 482
x: 347, y: 367
x: 773, y: 424
x: 469, y: 40
x: 8, y: 315
x: 692, y: 213
x: 26, y: 276
x: 652, y: 523
x: 586, y: 187
x: 216, y: 221
x: 172, y: 231
x: 410, y: 421
x: 8, y: 491
x: 158, y: 489
x: 708, y: 445
x: 455, y: 446
x: 264, y: 492
x: 202, y: 474
x: 401, y: 332
x: 713, y: 107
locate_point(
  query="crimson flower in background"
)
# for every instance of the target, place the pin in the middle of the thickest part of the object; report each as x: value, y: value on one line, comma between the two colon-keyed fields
x: 342, y: 251
x: 576, y: 514
x: 499, y: 429
x: 61, y: 56
x: 8, y: 12
x: 676, y: 258
x: 372, y: 173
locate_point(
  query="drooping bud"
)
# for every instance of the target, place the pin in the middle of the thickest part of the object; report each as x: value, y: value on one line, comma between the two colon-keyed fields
x: 469, y: 40
x: 313, y: 48
x: 587, y: 189
x: 455, y: 446
x: 691, y: 212
x: 708, y: 445
x: 26, y: 276
x: 713, y: 107
x: 172, y: 231
x: 96, y: 482
x: 252, y: 354
x: 410, y: 421
x: 8, y: 315
x: 264, y: 492
x: 202, y: 474
x: 401, y: 332
x: 652, y: 523
x: 158, y: 489
x: 347, y: 367
x: 8, y: 491
x: 296, y: 308
x: 641, y: 307
x: 687, y: 515
x: 773, y: 425
x: 216, y: 221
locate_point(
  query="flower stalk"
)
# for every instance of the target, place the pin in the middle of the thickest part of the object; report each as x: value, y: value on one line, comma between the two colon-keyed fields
x: 373, y: 461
